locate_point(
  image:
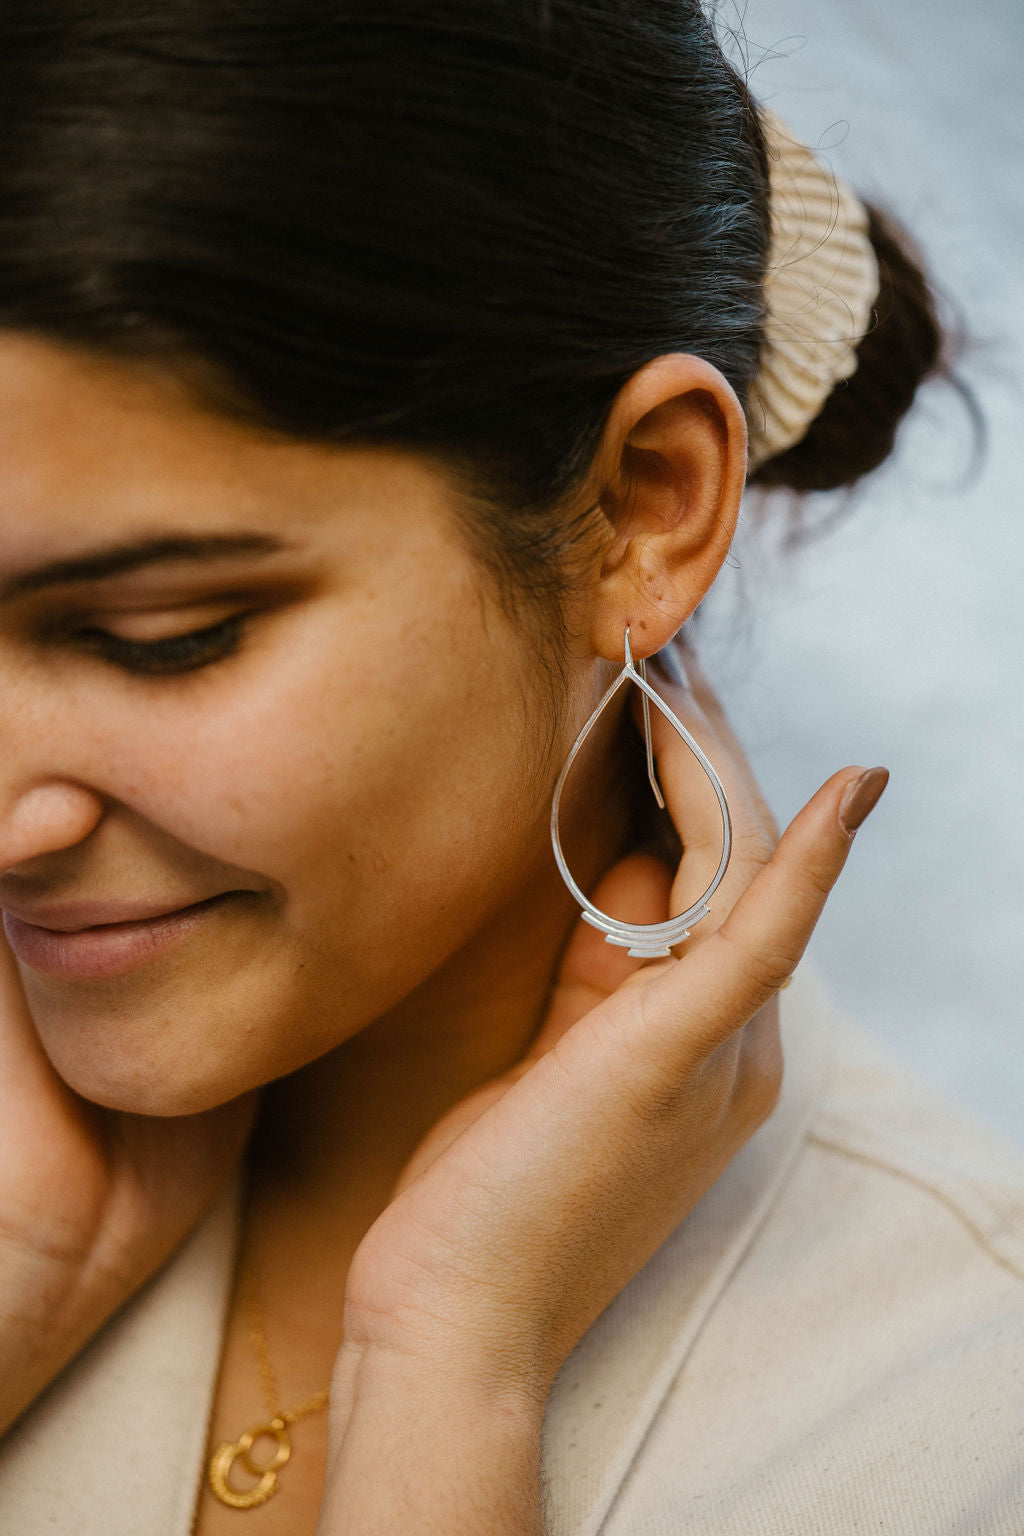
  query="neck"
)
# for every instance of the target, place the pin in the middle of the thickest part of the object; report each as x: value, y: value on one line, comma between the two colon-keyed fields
x: 333, y: 1137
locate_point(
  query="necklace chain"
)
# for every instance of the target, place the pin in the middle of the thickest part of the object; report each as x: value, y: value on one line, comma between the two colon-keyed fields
x: 225, y: 1456
x: 258, y: 1339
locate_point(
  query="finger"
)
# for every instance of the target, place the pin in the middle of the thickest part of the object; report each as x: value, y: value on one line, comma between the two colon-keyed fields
x: 703, y: 717
x: 702, y: 999
x: 24, y: 1066
x: 684, y: 655
x: 686, y: 773
x: 759, y: 1066
x: 694, y: 806
x: 636, y: 890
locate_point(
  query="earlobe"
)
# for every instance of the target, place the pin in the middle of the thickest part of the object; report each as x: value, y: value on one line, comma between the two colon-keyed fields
x: 673, y: 460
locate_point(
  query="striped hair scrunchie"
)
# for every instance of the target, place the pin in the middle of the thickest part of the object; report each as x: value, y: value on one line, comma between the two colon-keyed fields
x: 821, y: 282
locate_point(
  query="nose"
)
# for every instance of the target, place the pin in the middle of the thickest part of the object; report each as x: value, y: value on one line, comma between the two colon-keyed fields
x: 45, y: 818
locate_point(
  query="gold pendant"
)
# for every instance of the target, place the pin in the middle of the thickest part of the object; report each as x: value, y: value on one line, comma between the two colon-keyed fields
x: 225, y: 1456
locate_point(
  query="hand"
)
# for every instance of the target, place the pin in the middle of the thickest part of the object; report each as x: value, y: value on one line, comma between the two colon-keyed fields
x: 91, y: 1201
x: 530, y: 1206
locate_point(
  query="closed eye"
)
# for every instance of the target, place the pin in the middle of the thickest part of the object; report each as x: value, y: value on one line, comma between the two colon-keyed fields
x: 175, y: 654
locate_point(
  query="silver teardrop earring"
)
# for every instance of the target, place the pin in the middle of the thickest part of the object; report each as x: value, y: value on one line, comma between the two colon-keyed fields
x: 648, y: 941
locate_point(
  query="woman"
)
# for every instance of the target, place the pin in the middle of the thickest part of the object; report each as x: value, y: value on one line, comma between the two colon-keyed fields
x: 375, y: 381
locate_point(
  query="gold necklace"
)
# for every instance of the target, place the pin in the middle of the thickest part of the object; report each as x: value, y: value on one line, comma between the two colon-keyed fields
x: 275, y: 1427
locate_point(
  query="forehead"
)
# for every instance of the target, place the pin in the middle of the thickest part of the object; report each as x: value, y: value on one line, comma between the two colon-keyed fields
x: 91, y: 446
x: 64, y: 391
x: 81, y: 436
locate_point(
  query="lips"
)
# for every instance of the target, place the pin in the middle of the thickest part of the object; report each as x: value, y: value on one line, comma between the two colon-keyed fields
x: 72, y: 916
x: 75, y: 948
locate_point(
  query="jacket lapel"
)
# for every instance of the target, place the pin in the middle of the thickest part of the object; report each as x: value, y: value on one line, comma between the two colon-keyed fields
x: 119, y: 1439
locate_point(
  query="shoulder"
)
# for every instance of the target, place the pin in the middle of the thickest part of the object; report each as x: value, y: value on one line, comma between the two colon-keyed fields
x: 879, y: 1113
x: 863, y: 1368
x: 891, y: 1166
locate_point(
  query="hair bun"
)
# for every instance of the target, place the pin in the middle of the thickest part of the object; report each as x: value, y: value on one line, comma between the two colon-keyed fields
x: 903, y: 345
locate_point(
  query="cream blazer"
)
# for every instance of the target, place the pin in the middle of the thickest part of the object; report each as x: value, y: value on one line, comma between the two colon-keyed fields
x: 830, y: 1344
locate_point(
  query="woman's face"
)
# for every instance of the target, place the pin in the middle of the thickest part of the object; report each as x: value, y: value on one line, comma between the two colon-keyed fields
x: 349, y: 766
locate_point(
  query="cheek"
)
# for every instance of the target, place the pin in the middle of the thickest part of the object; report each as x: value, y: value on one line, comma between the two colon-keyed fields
x: 384, y: 805
x: 400, y: 814
x: 387, y: 820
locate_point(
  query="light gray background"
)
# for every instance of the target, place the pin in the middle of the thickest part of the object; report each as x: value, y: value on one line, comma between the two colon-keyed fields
x: 897, y: 636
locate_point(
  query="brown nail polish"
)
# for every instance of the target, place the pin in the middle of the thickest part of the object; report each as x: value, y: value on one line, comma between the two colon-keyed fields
x: 861, y: 797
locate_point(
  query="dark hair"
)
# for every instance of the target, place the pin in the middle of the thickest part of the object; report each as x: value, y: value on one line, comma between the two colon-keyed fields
x: 453, y: 225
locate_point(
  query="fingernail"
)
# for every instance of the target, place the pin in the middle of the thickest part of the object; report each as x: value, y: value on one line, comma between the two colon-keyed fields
x: 861, y: 797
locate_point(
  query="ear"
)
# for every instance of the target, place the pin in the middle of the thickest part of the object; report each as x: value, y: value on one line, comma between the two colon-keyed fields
x: 670, y: 470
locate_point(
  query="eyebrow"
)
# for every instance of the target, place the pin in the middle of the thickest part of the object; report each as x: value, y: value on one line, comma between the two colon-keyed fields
x: 140, y: 554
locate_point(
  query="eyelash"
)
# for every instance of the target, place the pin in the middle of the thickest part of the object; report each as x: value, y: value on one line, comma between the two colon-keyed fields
x: 175, y: 655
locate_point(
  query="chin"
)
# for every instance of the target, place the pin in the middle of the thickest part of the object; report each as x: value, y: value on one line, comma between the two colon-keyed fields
x: 121, y: 1081
x: 177, y: 1042
x: 145, y: 1067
